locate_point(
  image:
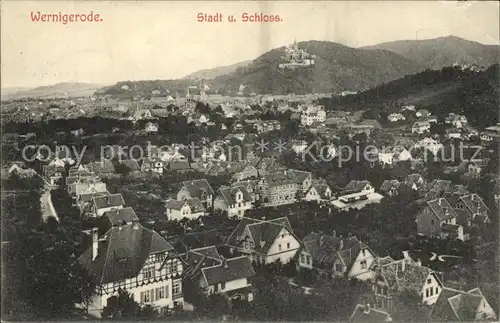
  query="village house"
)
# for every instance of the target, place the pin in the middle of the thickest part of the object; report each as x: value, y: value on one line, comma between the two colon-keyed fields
x: 190, y: 209
x: 476, y: 166
x: 470, y: 209
x: 415, y: 181
x: 104, y: 203
x: 385, y: 156
x: 429, y: 144
x: 52, y: 173
x: 233, y: 200
x: 249, y: 171
x: 456, y: 120
x: 268, y: 165
x: 279, y: 188
x: 401, y: 154
x: 420, y: 127
x: 490, y: 133
x: 142, y: 113
x: 151, y: 127
x: 116, y: 218
x: 199, y: 188
x: 102, y: 168
x: 152, y: 164
x: 365, y: 313
x: 312, y: 114
x: 422, y: 113
x: 391, y: 277
x: 135, y: 259
x: 251, y: 187
x: 338, y: 256
x: 390, y: 187
x: 265, y: 242
x: 395, y: 117
x: 319, y: 192
x: 214, y: 274
x: 266, y: 126
x: 356, y: 195
x: 453, y: 133
x: 458, y: 305
x: 439, y: 219
x: 80, y: 187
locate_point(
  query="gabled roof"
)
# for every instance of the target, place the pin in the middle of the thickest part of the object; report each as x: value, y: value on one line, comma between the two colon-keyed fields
x: 365, y: 313
x: 281, y: 178
x: 122, y: 252
x: 321, y: 189
x: 228, y: 270
x: 197, y: 187
x: 324, y: 249
x: 458, y: 305
x: 355, y: 186
x: 111, y: 200
x: 388, y: 184
x: 131, y: 164
x: 475, y: 203
x: 229, y: 194
x: 442, y: 209
x: 178, y: 165
x: 120, y: 216
x: 262, y: 232
x: 195, y: 204
x: 413, y: 277
x: 301, y: 174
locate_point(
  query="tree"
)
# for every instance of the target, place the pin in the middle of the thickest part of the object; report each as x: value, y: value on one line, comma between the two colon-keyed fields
x: 123, y: 307
x: 408, y: 307
x: 44, y: 274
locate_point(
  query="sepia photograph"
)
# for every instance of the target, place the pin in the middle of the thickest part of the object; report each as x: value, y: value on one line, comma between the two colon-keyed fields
x: 250, y: 161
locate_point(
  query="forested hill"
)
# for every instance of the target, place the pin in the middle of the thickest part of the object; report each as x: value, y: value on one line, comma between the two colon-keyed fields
x: 451, y: 89
x: 337, y: 68
x: 443, y: 51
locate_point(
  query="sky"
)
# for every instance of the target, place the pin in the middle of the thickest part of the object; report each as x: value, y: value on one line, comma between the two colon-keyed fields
x: 141, y: 40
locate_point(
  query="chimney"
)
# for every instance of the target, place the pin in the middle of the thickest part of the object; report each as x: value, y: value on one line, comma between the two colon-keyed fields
x: 341, y: 245
x: 95, y: 242
x: 135, y: 226
x: 439, y: 201
x: 321, y: 240
x: 334, y: 233
x: 349, y: 235
x: 224, y: 262
x: 367, y: 309
x: 263, y: 218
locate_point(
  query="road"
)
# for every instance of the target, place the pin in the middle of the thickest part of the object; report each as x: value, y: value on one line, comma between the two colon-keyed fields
x: 46, y: 205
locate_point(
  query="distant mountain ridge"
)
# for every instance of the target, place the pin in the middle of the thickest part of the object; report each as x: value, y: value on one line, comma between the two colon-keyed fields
x: 65, y: 89
x: 210, y: 73
x: 443, y: 51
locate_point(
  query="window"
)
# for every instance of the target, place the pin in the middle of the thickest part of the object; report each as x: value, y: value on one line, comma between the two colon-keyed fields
x: 364, y: 252
x: 279, y: 247
x: 239, y: 204
x: 159, y: 257
x: 427, y: 292
x: 288, y: 245
x: 431, y: 291
x: 222, y: 285
x: 149, y: 273
x: 308, y: 260
x: 437, y: 290
x: 338, y: 268
x: 432, y: 221
x: 429, y: 281
x: 303, y: 259
x: 176, y: 288
x: 363, y: 264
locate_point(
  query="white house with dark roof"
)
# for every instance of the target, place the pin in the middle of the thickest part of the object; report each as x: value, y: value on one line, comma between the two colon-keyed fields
x: 415, y: 181
x: 199, y: 188
x: 235, y: 201
x: 216, y: 275
x: 105, y: 203
x: 338, y: 256
x: 319, y: 192
x: 474, y: 207
x: 152, y: 164
x: 188, y: 209
x: 420, y: 127
x: 265, y: 242
x: 135, y: 259
x: 459, y: 305
x: 390, y: 187
x: 393, y: 276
